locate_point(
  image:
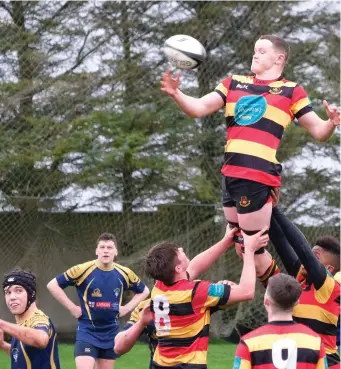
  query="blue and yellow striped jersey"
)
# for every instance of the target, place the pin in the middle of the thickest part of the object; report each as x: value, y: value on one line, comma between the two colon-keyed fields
x: 28, y: 357
x: 100, y: 294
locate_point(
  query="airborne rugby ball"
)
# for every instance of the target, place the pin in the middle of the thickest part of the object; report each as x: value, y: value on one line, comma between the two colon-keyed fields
x: 184, y: 52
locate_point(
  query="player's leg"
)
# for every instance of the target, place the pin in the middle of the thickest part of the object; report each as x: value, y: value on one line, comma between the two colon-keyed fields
x: 85, y: 355
x: 106, y: 359
x: 230, y: 211
x: 254, y: 205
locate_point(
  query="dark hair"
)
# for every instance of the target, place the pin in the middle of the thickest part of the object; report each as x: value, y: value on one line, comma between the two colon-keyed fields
x: 107, y: 237
x: 329, y: 243
x: 161, y: 261
x: 279, y: 43
x: 284, y: 290
x: 332, y: 246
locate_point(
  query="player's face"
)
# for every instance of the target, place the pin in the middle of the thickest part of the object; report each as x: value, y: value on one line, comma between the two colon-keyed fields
x: 265, y: 57
x: 323, y: 257
x: 183, y: 260
x: 106, y: 252
x: 16, y: 299
x: 266, y: 301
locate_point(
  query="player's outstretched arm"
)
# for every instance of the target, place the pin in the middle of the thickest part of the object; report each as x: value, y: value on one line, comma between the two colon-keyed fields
x: 131, y: 305
x: 28, y: 336
x: 205, y: 259
x: 58, y: 293
x: 245, y: 290
x: 4, y: 346
x: 321, y: 129
x: 284, y: 249
x: 125, y: 340
x: 302, y: 248
x: 193, y: 107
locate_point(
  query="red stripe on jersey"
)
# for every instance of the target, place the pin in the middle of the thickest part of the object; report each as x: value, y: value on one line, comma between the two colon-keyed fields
x: 283, y: 104
x: 183, y: 285
x: 200, y: 295
x: 328, y: 341
x: 251, y: 174
x: 200, y: 344
x: 308, y: 298
x: 243, y: 352
x: 226, y: 82
x: 254, y: 135
x: 280, y: 329
x: 185, y: 320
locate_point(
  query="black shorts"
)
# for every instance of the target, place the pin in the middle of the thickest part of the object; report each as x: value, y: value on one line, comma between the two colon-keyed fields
x: 247, y: 196
x: 83, y: 348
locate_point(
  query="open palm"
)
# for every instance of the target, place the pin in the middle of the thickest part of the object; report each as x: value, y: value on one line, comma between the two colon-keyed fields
x: 169, y: 85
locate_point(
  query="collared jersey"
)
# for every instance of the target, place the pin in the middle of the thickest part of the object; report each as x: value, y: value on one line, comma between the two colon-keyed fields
x: 280, y: 345
x: 257, y: 113
x: 100, y: 294
x: 27, y: 357
x: 182, y: 318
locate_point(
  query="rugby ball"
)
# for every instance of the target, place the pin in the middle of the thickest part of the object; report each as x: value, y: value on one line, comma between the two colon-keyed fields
x: 184, y: 52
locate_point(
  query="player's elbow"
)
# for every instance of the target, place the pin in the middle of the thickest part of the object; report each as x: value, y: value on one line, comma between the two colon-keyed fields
x: 246, y: 293
x: 42, y: 341
x: 145, y: 292
x: 52, y: 284
x: 119, y: 347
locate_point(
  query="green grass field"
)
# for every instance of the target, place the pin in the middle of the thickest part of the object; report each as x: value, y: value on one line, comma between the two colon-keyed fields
x: 220, y: 355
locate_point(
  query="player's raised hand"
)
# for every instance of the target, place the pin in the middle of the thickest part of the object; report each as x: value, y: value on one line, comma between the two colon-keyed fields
x: 169, y: 85
x: 146, y: 315
x: 76, y: 311
x: 229, y: 233
x: 333, y: 113
x: 257, y: 241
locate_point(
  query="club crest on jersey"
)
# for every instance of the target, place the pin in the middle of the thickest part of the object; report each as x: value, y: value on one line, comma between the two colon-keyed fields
x: 117, y: 292
x: 96, y: 293
x: 15, y: 355
x: 275, y: 90
x: 244, y: 202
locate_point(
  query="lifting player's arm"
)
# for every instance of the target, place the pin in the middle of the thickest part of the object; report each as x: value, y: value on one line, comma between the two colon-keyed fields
x: 193, y: 107
x: 321, y: 129
x: 245, y: 290
x: 29, y: 336
x: 205, y: 259
x: 286, y: 253
x: 295, y: 237
x: 125, y: 340
x: 4, y: 346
